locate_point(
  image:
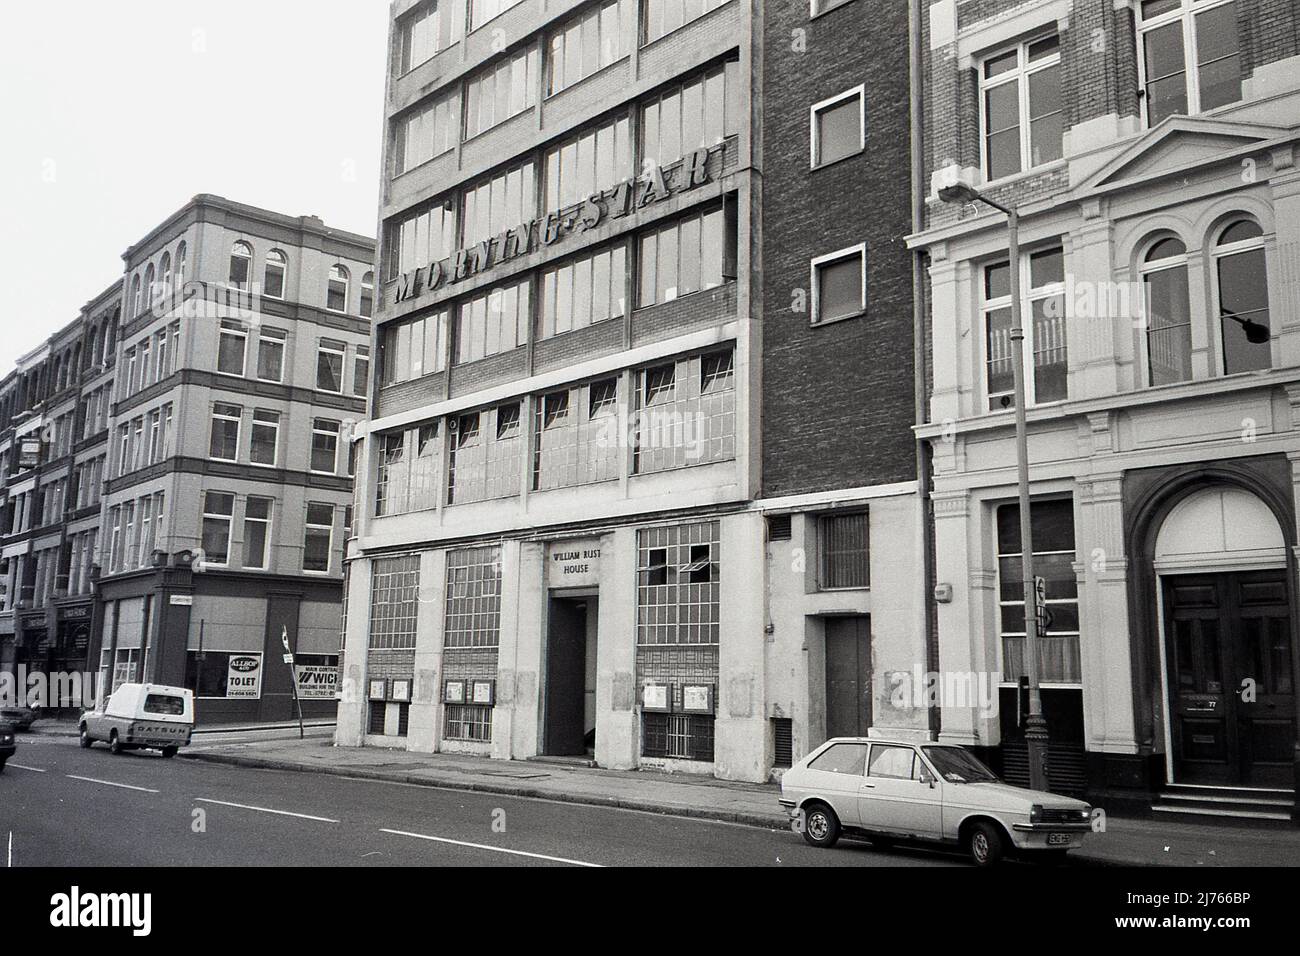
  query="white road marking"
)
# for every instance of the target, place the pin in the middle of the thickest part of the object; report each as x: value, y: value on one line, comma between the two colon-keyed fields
x: 11, y: 849
x: 279, y: 813
x: 109, y: 783
x: 494, y: 849
x: 18, y: 766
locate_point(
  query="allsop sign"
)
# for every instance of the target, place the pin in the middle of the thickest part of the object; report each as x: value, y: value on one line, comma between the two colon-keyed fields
x: 629, y: 196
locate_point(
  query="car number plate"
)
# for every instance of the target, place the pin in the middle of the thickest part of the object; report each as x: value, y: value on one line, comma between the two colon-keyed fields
x: 1058, y: 839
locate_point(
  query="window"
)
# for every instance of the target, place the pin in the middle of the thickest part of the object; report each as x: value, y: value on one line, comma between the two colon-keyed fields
x: 576, y: 436
x: 257, y: 532
x: 150, y: 286
x: 277, y: 266
x: 1021, y: 107
x: 218, y: 514
x: 325, y: 446
x: 500, y: 203
x: 232, y: 348
x: 687, y: 256
x: 848, y: 759
x: 839, y: 127
x: 428, y: 29
x: 419, y: 239
x: 329, y: 366
x: 473, y: 598
x: 1167, y: 30
x: 368, y: 295
x: 591, y: 42
x: 1241, y: 277
x: 677, y: 736
x: 485, y: 456
x: 493, y: 322
x: 678, y: 590
x: 225, y: 432
x: 270, y: 354
x: 137, y: 300
x: 241, y: 264
x: 1168, y: 313
x: 266, y: 437
x: 843, y: 551
x: 428, y: 130
x: 583, y: 292
x: 699, y: 114
x: 1054, y: 556
x: 588, y: 163
x: 411, y: 350
x: 207, y: 673
x: 394, y: 602
x: 468, y: 722
x: 336, y: 299
x: 408, y: 483
x: 504, y: 89
x: 839, y: 283
x: 685, y: 413
x: 318, y: 540
x: 893, y: 763
x: 662, y: 17
x: 1046, y: 372
x: 361, y: 372
x: 180, y: 265
x: 825, y: 6
x: 393, y: 480
x: 481, y: 11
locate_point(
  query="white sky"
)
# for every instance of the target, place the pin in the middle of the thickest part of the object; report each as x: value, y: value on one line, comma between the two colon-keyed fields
x: 114, y: 113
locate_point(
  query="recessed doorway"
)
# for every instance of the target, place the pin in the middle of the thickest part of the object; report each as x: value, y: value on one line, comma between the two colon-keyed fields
x: 570, y: 702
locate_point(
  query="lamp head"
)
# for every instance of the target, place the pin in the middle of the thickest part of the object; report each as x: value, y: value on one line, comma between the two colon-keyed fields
x: 959, y: 193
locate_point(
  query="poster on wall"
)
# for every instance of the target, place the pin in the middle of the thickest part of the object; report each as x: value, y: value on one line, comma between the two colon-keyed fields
x: 317, y: 683
x: 244, y: 677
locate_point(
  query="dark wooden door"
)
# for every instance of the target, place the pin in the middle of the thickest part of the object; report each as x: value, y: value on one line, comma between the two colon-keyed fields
x: 1232, y: 698
x: 566, y: 685
x: 848, y: 676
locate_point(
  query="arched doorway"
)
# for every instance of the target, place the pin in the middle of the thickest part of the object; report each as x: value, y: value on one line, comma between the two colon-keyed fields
x: 1221, y: 563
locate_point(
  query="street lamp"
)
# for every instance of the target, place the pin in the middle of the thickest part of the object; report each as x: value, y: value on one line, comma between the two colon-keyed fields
x: 1035, y: 724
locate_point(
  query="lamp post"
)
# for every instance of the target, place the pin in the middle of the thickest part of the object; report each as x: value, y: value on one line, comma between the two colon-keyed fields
x: 1035, y: 724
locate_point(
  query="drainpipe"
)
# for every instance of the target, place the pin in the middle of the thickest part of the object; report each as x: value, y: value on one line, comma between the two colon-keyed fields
x: 919, y: 359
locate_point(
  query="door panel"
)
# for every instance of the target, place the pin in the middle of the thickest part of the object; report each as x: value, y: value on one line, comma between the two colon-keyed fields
x: 848, y: 676
x: 897, y: 803
x: 566, y: 685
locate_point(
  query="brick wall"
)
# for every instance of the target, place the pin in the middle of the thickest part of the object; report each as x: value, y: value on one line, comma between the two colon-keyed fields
x: 837, y: 400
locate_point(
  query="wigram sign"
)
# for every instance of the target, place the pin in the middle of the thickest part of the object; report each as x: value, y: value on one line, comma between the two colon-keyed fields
x: 629, y: 196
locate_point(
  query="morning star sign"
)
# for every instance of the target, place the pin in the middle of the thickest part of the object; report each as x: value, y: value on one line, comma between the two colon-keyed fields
x: 629, y: 196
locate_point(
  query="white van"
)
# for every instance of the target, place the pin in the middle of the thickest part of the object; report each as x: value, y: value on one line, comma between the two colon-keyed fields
x: 142, y: 716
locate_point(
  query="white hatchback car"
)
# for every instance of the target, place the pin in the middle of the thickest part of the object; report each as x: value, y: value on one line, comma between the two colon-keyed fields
x: 889, y: 789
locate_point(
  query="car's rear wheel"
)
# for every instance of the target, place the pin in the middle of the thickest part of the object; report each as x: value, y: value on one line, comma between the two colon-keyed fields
x: 84, y: 738
x: 821, y: 827
x: 986, y: 844
x: 114, y: 745
x: 169, y: 752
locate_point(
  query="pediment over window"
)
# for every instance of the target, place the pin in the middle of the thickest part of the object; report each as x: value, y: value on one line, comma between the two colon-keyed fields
x: 1177, y: 145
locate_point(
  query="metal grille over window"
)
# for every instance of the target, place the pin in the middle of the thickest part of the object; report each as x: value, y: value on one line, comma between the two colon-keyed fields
x: 843, y: 541
x: 678, y: 590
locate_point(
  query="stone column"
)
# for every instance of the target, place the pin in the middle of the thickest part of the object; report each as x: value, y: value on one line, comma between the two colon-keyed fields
x: 426, y: 700
x: 351, y: 722
x: 618, y: 742
x: 741, y: 741
x: 503, y: 715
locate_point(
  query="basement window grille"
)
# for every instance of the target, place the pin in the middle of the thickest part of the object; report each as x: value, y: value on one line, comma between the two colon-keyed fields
x: 783, y: 734
x: 377, y: 710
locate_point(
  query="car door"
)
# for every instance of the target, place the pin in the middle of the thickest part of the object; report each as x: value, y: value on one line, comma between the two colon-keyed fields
x: 836, y: 776
x: 896, y: 796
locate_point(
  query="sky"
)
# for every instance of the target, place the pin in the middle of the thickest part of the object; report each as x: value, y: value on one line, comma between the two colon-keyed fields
x: 114, y: 113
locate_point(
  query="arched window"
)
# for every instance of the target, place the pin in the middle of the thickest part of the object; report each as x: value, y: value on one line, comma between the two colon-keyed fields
x: 180, y: 265
x: 337, y: 298
x: 276, y: 267
x: 1168, y: 312
x: 368, y: 295
x: 150, y: 286
x: 135, y: 296
x: 241, y: 264
x: 1241, y: 276
x: 165, y: 274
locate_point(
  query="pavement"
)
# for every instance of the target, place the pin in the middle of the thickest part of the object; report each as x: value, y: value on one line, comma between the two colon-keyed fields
x: 1125, y: 841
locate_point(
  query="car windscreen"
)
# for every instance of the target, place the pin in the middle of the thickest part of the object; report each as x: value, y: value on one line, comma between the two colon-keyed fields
x: 958, y: 766
x: 164, y: 704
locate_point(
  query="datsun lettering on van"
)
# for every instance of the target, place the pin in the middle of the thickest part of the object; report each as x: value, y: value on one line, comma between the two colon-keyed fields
x: 142, y: 717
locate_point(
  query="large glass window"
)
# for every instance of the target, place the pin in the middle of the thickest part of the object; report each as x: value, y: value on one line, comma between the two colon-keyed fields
x: 330, y: 356
x: 590, y: 42
x: 590, y: 162
x: 1046, y: 359
x: 481, y: 11
x: 493, y: 322
x: 698, y: 114
x: 408, y: 479
x: 429, y: 130
x: 502, y: 202
x: 583, y: 292
x: 325, y: 446
x: 678, y: 584
x: 473, y: 598
x: 1190, y: 56
x: 1241, y: 275
x: 318, y: 538
x: 241, y: 264
x: 336, y: 298
x: 662, y: 17
x: 486, y: 455
x: 257, y: 532
x: 414, y: 349
x: 218, y: 515
x: 687, y: 256
x: 419, y: 239
x: 504, y: 89
x: 1052, y: 524
x: 265, y: 437
x: 576, y: 440
x: 1021, y: 107
x: 428, y: 29
x: 685, y: 413
x: 277, y: 267
x: 394, y: 602
x: 225, y: 431
x: 270, y: 354
x: 232, y: 348
x: 1168, y: 313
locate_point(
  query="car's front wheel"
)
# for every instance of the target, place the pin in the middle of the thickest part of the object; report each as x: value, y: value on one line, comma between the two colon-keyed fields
x: 84, y: 738
x: 986, y: 844
x: 114, y: 745
x: 821, y: 827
